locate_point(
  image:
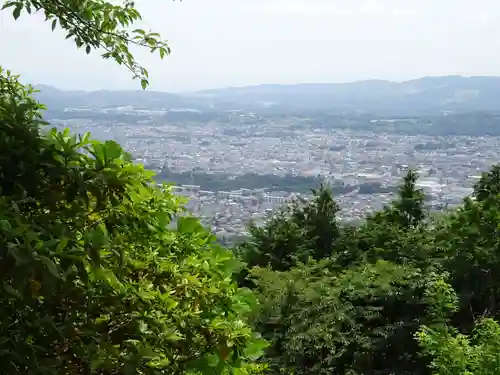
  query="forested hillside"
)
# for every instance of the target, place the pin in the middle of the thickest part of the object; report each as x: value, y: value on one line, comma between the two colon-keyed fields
x: 394, y: 295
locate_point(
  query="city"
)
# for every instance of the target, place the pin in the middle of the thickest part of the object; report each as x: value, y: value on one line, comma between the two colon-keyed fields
x: 229, y: 169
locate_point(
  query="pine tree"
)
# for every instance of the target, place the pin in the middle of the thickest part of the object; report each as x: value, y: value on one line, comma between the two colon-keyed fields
x: 409, y: 206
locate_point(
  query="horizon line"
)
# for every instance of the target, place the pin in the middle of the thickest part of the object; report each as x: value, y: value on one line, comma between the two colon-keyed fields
x: 301, y: 83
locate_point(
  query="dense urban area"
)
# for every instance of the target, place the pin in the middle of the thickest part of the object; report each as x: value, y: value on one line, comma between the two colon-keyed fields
x: 239, y: 171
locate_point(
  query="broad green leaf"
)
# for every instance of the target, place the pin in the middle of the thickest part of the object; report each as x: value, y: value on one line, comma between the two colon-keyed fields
x: 8, y: 4
x: 9, y: 289
x: 17, y: 11
x: 50, y: 265
x: 113, y: 150
x: 189, y: 225
x: 255, y: 348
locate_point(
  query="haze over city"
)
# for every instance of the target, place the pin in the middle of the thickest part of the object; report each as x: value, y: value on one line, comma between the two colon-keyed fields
x: 220, y: 43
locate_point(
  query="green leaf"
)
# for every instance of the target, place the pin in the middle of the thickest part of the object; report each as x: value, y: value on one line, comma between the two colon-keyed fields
x: 255, y: 349
x: 17, y: 11
x: 143, y: 327
x: 169, y: 302
x: 212, y: 360
x: 144, y: 83
x: 9, y: 289
x: 163, y: 52
x: 82, y: 271
x: 54, y: 24
x: 8, y: 5
x: 51, y: 267
x: 112, y: 150
x: 189, y: 225
x: 108, y: 277
x: 62, y: 244
x: 87, y: 49
x: 85, y: 139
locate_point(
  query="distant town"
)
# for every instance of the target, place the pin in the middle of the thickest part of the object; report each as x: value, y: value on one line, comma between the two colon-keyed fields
x: 239, y: 153
x: 230, y: 170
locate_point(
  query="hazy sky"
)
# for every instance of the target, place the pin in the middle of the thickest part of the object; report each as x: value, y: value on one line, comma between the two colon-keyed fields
x: 239, y: 42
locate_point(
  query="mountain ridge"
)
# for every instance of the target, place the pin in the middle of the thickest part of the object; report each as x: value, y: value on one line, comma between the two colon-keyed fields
x: 420, y: 96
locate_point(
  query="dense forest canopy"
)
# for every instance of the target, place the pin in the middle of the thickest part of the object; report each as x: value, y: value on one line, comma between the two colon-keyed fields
x: 403, y: 292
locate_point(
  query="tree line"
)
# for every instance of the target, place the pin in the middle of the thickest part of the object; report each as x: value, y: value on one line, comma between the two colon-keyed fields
x: 287, y: 183
x: 403, y: 292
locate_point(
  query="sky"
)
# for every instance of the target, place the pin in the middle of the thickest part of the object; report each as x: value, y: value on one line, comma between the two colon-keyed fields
x: 220, y: 43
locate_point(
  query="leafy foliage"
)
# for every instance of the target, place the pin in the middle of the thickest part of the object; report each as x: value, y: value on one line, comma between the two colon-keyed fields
x: 93, y: 278
x: 457, y: 354
x: 397, y: 233
x: 361, y: 320
x: 98, y: 24
x: 468, y: 241
x: 453, y: 353
x: 357, y: 309
x: 298, y: 231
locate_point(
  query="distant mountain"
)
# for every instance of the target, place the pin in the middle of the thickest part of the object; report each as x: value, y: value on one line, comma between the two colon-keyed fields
x: 59, y: 99
x: 424, y: 96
